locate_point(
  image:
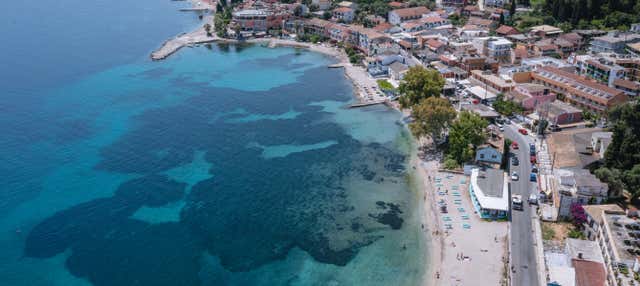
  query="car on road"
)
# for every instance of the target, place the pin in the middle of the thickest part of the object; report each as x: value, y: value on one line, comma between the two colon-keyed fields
x: 523, y: 131
x: 515, y: 161
x: 514, y: 145
x: 533, y: 177
x: 514, y: 176
x: 516, y: 202
x: 533, y: 199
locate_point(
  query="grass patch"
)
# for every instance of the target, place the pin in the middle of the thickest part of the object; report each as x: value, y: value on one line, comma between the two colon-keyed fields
x: 385, y: 85
x: 548, y: 233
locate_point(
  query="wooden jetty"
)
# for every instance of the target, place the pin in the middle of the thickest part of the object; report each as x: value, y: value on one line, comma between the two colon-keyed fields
x: 367, y: 103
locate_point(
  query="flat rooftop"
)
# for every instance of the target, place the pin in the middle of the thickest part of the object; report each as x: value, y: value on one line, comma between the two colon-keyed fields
x: 491, y: 182
x: 490, y: 188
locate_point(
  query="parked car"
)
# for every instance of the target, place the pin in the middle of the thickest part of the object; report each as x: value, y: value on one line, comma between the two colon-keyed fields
x: 514, y: 176
x: 534, y: 169
x: 515, y: 161
x: 533, y: 199
x: 532, y: 159
x: 523, y: 131
x: 514, y: 145
x: 533, y: 177
x: 516, y: 202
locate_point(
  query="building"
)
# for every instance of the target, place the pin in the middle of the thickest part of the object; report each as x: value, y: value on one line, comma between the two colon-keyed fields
x: 348, y: 4
x: 595, y: 218
x: 423, y: 24
x: 398, y: 16
x: 322, y: 4
x: 544, y: 31
x: 397, y: 70
x: 492, y: 82
x: 489, y: 193
x: 613, y: 42
x: 251, y: 20
x: 343, y: 14
x: 600, y: 141
x: 454, y: 2
x: 601, y: 69
x: 616, y: 236
x: 530, y: 95
x: 488, y: 155
x: 578, y: 187
x: 481, y: 22
x: 630, y: 88
x: 561, y: 113
x: 579, y: 91
x: 499, y: 49
x: 505, y: 30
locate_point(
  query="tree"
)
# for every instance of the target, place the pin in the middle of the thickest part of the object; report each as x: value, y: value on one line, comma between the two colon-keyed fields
x: 578, y: 215
x: 297, y: 11
x: 419, y: 83
x: 506, y: 107
x: 506, y: 148
x: 464, y: 134
x: 431, y: 117
x: 207, y: 28
x: 612, y: 178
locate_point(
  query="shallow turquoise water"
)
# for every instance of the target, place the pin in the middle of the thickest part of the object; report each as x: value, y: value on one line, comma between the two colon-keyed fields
x: 223, y: 165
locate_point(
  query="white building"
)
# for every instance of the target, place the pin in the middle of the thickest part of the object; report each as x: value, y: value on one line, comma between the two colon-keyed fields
x: 616, y: 236
x: 489, y: 193
x: 579, y: 187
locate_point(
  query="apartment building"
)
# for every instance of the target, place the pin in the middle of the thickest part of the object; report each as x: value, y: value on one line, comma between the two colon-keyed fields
x: 492, y: 82
x: 616, y: 236
x: 613, y: 42
x: 602, y: 69
x: 530, y: 95
x: 578, y: 90
x: 398, y: 16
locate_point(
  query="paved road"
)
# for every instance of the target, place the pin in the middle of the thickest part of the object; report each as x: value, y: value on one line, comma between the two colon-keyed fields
x: 523, y: 255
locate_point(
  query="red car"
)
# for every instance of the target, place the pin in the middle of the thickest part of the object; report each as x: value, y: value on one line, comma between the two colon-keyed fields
x: 514, y: 145
x: 533, y: 159
x: 523, y: 131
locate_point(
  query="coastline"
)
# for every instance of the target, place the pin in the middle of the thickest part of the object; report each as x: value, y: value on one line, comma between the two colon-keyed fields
x: 364, y: 91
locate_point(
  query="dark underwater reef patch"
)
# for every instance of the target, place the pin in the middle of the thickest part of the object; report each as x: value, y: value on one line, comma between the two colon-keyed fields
x: 252, y: 210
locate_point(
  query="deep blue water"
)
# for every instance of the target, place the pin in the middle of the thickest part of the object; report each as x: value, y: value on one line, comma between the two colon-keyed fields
x: 223, y: 165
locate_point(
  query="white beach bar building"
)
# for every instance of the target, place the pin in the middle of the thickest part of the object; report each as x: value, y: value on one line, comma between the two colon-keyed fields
x: 489, y: 192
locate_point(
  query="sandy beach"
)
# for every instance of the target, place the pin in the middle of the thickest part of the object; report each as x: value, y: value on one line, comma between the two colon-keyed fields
x: 462, y: 246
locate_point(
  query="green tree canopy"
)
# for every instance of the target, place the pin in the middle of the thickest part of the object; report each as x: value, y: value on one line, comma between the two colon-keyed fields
x: 431, y: 117
x: 419, y: 83
x: 506, y: 107
x: 622, y: 157
x: 465, y: 134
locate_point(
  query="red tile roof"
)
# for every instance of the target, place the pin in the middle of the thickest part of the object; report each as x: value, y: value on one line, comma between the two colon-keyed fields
x: 342, y: 10
x: 507, y: 30
x: 383, y: 27
x: 405, y: 44
x: 433, y: 43
x: 396, y: 4
x: 411, y: 12
x: 632, y: 85
x: 589, y: 273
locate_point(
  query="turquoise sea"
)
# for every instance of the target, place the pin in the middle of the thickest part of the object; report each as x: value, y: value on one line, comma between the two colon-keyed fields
x: 222, y: 165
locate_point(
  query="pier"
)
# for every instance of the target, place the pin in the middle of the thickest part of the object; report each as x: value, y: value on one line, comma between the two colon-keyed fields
x: 171, y: 46
x: 367, y: 103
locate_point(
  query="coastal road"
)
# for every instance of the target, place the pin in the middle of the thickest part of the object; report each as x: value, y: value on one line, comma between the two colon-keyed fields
x: 523, y: 254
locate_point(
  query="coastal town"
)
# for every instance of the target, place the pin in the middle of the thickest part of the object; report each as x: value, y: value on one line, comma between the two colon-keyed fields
x: 526, y: 128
